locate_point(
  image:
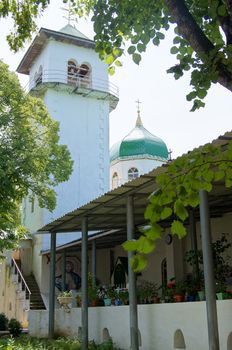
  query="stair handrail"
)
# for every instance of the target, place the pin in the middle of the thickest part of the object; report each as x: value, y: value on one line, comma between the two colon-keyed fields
x: 20, y: 273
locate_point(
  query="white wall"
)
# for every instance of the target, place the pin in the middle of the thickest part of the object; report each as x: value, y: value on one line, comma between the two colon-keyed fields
x: 84, y: 127
x: 157, y: 324
x: 121, y: 167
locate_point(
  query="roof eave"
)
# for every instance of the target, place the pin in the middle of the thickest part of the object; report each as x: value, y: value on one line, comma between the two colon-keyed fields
x: 40, y: 41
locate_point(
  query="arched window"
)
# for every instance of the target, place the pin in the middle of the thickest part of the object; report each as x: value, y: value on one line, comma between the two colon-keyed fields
x: 114, y: 180
x: 72, y: 72
x: 133, y: 173
x: 84, y: 74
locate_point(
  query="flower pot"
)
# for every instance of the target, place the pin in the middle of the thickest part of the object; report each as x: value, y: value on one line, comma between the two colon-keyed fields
x: 201, y: 295
x: 178, y: 298
x: 93, y: 303
x: 65, y: 302
x: 221, y: 295
x: 191, y: 298
x: 118, y: 302
x: 155, y: 300
x: 107, y: 301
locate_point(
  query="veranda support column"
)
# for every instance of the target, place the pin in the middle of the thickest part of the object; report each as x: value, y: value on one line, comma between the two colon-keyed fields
x: 52, y: 286
x: 208, y: 272
x: 94, y: 260
x: 63, y: 272
x: 84, y: 284
x: 193, y: 236
x: 132, y: 280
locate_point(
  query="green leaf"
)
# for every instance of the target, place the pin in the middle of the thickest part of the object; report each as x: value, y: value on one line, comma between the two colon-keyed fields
x: 136, y: 58
x: 131, y: 50
x: 141, y: 47
x: 109, y: 59
x: 148, y: 212
x: 118, y: 63
x: 207, y: 186
x: 166, y: 212
x: 111, y: 70
x: 156, y: 41
x: 145, y: 245
x: 221, y: 10
x: 130, y: 245
x: 178, y: 229
x: 193, y: 199
x: 201, y: 93
x: 154, y: 232
x: 160, y: 35
x: 174, y: 50
x: 138, y: 262
x: 180, y: 210
x: 218, y: 175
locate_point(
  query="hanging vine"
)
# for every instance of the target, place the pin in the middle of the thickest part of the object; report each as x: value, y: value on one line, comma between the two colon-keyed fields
x: 178, y: 190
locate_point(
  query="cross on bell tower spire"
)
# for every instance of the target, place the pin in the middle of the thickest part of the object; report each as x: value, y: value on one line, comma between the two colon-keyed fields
x: 138, y: 121
x: 69, y: 10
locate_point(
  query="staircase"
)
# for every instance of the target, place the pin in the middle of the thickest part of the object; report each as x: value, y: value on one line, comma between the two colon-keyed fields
x: 36, y: 301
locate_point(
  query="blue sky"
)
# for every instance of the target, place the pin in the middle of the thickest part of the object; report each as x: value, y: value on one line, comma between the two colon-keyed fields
x: 164, y: 109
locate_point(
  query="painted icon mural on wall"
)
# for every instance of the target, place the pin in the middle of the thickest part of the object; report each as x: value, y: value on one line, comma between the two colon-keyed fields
x: 72, y: 273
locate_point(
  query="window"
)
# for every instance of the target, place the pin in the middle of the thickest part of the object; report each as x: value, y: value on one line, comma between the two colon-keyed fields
x: 32, y: 200
x: 115, y: 180
x: 38, y: 76
x: 133, y: 173
x: 84, y: 73
x: 72, y: 72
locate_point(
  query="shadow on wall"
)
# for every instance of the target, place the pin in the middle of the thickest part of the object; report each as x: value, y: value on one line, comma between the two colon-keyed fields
x: 229, y: 342
x: 179, y: 342
x: 106, y: 336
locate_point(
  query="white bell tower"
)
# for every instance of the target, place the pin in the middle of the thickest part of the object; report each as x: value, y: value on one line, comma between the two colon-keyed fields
x: 66, y: 72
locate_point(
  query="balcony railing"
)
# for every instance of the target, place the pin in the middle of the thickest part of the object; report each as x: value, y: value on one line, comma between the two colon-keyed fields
x: 20, y: 279
x: 74, y: 81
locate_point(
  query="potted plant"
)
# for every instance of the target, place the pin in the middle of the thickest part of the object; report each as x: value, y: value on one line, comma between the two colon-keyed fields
x: 65, y: 299
x: 146, y: 291
x: 221, y: 289
x: 168, y: 291
x: 124, y: 296
x: 179, y: 291
x: 191, y: 290
x: 93, y: 296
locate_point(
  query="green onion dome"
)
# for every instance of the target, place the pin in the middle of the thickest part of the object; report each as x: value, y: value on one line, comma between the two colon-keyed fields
x: 139, y: 143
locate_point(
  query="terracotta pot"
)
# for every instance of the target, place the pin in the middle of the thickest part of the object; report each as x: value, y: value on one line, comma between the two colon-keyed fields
x: 178, y: 298
x: 155, y: 300
x: 93, y: 303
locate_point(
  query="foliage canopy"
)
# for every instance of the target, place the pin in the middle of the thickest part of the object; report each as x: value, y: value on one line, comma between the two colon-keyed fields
x: 202, y: 42
x: 31, y: 160
x: 178, y: 193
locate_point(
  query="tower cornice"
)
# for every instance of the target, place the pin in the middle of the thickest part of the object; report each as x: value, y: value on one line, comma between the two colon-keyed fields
x: 41, y: 40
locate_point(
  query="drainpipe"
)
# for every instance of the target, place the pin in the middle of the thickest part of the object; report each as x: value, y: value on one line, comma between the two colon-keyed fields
x: 52, y: 286
x: 94, y: 264
x: 211, y: 305
x: 84, y: 283
x: 132, y: 279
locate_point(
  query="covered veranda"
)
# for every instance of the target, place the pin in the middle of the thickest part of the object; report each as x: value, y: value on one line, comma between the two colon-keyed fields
x: 116, y: 217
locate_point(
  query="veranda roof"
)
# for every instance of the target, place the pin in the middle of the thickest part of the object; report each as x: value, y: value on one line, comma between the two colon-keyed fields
x: 108, y: 211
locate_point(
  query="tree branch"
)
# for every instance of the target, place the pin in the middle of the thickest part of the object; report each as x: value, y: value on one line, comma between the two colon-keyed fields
x: 193, y: 34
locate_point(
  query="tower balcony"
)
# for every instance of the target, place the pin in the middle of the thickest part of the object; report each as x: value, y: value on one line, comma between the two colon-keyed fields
x: 87, y: 86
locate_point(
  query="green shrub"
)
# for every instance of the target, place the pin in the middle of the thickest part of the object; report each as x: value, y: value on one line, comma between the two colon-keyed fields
x: 3, y: 322
x: 14, y: 327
